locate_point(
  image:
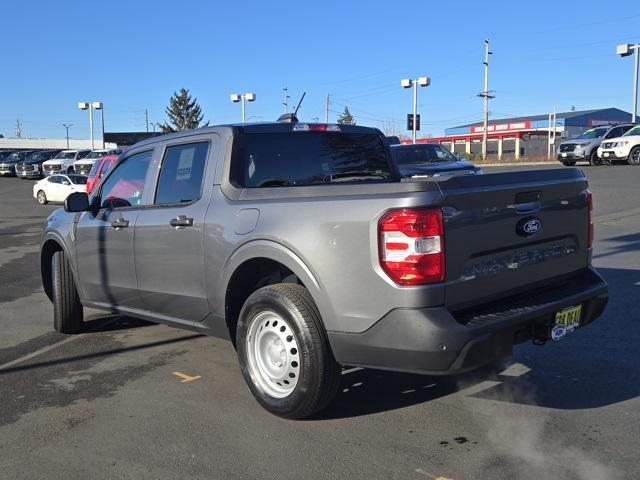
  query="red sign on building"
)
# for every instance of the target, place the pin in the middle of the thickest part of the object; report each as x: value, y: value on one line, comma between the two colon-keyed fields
x: 502, y: 127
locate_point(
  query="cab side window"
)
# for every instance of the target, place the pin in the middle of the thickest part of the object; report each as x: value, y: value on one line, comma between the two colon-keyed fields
x: 181, y: 173
x: 125, y: 186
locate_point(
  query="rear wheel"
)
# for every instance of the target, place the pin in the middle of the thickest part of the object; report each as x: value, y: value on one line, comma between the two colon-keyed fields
x: 284, y: 353
x: 594, y: 159
x: 567, y: 163
x: 41, y: 197
x: 67, y: 309
x: 634, y: 156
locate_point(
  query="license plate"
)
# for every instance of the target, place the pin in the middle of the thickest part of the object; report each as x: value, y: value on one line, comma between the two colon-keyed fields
x: 569, y: 317
x: 605, y: 154
x: 563, y: 154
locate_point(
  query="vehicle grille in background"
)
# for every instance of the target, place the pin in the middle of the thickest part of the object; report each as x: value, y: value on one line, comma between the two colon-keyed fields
x: 51, y: 169
x: 24, y: 168
x: 82, y: 169
x: 567, y: 147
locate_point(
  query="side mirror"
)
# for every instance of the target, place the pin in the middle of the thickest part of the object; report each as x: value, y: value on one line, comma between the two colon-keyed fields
x: 77, y: 202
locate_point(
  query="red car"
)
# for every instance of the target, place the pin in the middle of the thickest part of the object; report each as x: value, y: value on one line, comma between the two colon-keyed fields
x: 98, y: 170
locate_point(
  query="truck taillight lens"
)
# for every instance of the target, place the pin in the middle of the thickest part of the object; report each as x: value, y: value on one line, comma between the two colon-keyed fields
x: 590, y: 217
x: 412, y: 245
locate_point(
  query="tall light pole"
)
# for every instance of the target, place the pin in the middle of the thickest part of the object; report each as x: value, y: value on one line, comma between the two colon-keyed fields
x: 100, y: 106
x: 486, y: 94
x: 247, y: 97
x: 67, y: 126
x: 624, y: 51
x: 408, y: 83
x: 87, y: 106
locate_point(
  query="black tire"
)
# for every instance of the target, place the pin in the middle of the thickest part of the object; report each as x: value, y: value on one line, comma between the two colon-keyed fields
x: 41, y: 197
x: 567, y: 163
x: 70, y: 170
x: 67, y: 309
x: 594, y: 160
x: 634, y: 156
x: 319, y: 374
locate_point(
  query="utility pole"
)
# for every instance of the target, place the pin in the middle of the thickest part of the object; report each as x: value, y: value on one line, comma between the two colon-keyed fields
x: 146, y: 119
x: 18, y: 129
x: 486, y: 95
x: 326, y: 110
x: 67, y: 126
x: 286, y: 100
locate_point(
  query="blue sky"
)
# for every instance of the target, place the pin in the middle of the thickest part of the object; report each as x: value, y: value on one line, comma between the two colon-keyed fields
x: 132, y: 55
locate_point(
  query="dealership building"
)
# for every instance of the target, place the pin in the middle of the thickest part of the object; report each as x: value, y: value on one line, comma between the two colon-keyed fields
x: 525, y: 136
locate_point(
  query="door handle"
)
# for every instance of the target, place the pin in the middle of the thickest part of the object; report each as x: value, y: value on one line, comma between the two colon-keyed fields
x: 181, y: 221
x: 120, y: 223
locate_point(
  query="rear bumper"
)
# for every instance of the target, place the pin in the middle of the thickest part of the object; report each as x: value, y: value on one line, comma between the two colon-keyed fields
x: 435, y: 341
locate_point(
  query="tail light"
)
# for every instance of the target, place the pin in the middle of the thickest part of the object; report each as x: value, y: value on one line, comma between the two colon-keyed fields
x: 590, y: 218
x: 412, y: 246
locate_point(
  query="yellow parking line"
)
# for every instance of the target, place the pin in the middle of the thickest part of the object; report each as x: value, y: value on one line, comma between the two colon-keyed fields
x: 186, y: 378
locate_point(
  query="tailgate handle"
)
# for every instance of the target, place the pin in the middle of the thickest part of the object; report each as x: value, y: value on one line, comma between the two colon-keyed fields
x: 527, y: 202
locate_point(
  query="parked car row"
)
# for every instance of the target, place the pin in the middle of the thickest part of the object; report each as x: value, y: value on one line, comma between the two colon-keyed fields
x: 41, y: 163
x: 60, y: 172
x: 609, y: 143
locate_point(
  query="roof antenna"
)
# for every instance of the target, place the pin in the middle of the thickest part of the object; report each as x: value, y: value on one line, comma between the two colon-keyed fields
x: 292, y: 117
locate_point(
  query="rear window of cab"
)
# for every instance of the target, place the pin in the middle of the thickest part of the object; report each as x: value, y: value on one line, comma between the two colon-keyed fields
x: 264, y: 160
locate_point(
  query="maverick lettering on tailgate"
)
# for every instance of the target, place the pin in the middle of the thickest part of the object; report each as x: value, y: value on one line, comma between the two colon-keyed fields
x: 517, y: 259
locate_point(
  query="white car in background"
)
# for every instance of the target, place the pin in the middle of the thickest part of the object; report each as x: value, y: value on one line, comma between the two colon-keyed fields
x: 63, y: 162
x: 56, y: 188
x: 83, y: 166
x: 622, y: 149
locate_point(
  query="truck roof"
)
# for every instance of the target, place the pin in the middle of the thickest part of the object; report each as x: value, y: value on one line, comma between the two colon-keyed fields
x: 262, y: 127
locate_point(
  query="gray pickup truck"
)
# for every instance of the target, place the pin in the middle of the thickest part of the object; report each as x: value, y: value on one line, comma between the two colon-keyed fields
x: 302, y: 244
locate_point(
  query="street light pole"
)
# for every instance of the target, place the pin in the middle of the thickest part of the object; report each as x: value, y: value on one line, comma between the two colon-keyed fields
x: 624, y: 50
x: 415, y: 110
x: 100, y: 106
x: 67, y: 126
x: 635, y: 84
x: 407, y: 83
x: 247, y: 97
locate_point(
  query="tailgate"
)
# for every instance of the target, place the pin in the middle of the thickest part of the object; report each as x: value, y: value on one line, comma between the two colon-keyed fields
x: 509, y: 232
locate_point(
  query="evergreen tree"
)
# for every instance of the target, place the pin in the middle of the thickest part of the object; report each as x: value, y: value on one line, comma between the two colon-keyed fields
x: 345, y: 118
x: 183, y: 111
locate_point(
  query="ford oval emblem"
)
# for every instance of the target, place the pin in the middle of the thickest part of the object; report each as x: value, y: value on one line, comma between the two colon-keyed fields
x: 528, y: 226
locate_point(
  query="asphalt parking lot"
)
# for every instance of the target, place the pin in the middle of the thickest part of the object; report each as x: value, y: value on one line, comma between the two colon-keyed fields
x: 128, y: 399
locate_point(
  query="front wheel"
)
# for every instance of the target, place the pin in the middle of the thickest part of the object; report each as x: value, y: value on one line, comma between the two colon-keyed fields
x: 594, y: 159
x: 634, y: 156
x: 67, y: 309
x: 284, y: 353
x: 41, y: 197
x: 568, y: 163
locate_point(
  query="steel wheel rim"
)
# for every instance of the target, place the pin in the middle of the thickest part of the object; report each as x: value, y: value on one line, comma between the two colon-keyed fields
x: 273, y: 354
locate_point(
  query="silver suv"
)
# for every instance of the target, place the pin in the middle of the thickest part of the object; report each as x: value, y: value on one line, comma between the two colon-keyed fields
x: 585, y: 147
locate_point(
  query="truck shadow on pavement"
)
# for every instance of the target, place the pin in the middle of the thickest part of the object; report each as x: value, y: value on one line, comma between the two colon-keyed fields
x: 595, y: 367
